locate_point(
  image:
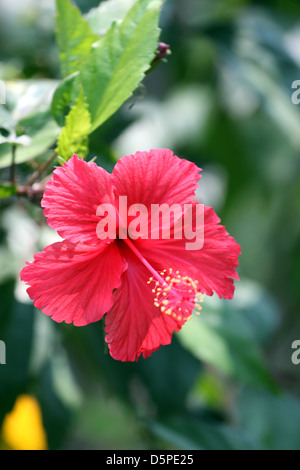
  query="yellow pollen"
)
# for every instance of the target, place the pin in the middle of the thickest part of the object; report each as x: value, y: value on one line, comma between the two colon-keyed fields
x: 177, y: 295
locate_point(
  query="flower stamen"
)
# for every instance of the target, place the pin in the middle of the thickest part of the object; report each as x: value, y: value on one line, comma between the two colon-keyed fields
x: 177, y: 295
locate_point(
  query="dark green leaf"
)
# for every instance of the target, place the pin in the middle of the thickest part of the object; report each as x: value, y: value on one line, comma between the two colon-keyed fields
x: 56, y: 415
x: 273, y: 419
x: 193, y: 433
x: 160, y: 374
x: 17, y: 335
x: 224, y: 337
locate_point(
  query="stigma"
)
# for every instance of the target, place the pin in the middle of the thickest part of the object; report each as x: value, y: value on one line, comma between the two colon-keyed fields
x: 175, y: 295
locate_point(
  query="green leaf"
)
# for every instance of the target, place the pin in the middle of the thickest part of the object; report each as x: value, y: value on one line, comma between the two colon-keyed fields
x: 102, y: 17
x: 118, y: 62
x: 74, y: 37
x: 160, y: 374
x: 7, y: 190
x: 56, y: 415
x: 225, y: 338
x: 74, y: 136
x: 64, y: 97
x: 273, y: 419
x: 104, y: 421
x: 30, y: 97
x: 32, y: 117
x: 7, y: 122
x: 115, y: 65
x: 193, y: 433
x: 42, y: 139
x: 176, y: 438
x: 17, y: 335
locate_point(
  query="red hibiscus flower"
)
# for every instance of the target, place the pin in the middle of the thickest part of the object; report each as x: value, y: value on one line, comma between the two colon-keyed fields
x: 147, y: 287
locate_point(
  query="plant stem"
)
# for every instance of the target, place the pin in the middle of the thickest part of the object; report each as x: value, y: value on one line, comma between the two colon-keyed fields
x: 42, y: 168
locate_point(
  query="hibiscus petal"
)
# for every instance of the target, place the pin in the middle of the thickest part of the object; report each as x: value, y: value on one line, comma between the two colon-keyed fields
x: 155, y: 177
x: 74, y: 283
x: 134, y: 326
x: 72, y: 197
x: 214, y: 265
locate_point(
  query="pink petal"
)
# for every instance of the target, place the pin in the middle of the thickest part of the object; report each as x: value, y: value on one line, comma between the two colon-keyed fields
x: 155, y: 177
x: 214, y: 265
x: 134, y: 326
x: 72, y: 197
x: 74, y: 283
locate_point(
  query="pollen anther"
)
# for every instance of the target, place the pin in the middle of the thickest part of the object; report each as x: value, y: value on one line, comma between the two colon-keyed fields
x: 177, y: 295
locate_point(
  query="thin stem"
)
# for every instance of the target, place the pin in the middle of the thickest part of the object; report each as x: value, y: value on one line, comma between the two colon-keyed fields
x: 42, y: 168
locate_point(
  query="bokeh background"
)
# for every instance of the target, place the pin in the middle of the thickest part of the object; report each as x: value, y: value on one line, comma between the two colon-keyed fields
x: 223, y: 100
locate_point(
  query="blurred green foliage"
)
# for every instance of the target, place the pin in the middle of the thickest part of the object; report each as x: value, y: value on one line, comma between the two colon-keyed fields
x: 222, y: 100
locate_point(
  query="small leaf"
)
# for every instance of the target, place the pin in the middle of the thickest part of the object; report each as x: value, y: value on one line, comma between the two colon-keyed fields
x: 7, y: 190
x: 74, y: 37
x: 74, y: 136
